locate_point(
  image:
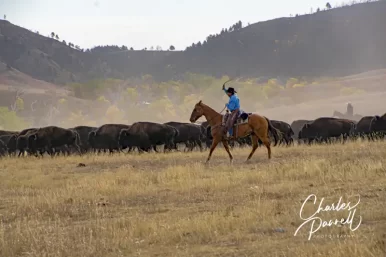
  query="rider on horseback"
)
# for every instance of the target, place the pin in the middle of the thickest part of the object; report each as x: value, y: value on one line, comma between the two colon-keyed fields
x: 233, y: 106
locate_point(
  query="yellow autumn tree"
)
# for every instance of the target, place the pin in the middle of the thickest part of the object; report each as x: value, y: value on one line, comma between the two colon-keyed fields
x: 9, y: 120
x: 102, y: 99
x: 131, y: 95
x: 114, y: 115
x: 298, y: 85
x: 291, y: 82
x: 162, y: 109
x: 75, y: 118
x: 19, y: 104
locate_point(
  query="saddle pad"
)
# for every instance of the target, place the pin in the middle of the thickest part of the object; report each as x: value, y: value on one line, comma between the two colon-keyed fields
x: 243, y: 116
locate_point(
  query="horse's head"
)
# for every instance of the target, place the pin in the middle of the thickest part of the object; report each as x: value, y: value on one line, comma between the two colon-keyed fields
x: 197, y: 112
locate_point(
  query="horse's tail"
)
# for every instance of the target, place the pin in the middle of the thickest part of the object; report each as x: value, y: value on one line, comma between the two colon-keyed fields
x: 273, y: 130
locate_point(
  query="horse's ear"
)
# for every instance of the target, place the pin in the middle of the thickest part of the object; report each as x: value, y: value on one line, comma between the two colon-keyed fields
x: 200, y: 102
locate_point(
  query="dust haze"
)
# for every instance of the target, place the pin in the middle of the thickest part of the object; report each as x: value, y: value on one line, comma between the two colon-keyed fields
x: 44, y: 106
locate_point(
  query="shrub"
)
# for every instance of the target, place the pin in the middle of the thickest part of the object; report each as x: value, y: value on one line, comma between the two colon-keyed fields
x: 10, y: 121
x: 350, y: 91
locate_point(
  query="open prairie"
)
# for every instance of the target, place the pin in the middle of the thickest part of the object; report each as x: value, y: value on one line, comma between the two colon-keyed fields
x: 175, y: 205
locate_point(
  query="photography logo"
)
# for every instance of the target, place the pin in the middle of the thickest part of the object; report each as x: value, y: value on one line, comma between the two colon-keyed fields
x: 316, y: 223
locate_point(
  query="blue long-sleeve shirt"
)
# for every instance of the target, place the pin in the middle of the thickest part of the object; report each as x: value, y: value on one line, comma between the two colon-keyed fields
x: 234, y: 102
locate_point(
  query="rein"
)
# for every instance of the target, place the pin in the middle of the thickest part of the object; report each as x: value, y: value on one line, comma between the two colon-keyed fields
x: 214, y: 117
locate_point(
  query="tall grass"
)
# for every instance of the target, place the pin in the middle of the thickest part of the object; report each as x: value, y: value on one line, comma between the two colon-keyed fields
x: 174, y: 205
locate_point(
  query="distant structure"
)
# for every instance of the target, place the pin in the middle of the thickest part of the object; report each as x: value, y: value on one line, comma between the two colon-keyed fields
x: 349, y: 114
x: 350, y: 110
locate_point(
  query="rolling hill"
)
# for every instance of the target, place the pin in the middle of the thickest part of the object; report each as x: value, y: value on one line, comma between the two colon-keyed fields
x: 336, y: 42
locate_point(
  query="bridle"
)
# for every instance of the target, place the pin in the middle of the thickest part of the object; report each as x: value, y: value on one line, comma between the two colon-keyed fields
x: 214, y: 117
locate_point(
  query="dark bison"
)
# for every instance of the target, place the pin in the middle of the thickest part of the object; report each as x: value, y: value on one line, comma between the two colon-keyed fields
x: 5, y: 132
x: 52, y: 137
x: 189, y: 134
x: 147, y: 135
x: 209, y: 137
x: 325, y: 128
x: 3, y: 148
x: 106, y: 137
x: 285, y: 130
x: 22, y: 140
x: 297, y: 125
x: 83, y: 132
x: 68, y: 149
x: 363, y: 127
x: 10, y: 142
x: 378, y: 125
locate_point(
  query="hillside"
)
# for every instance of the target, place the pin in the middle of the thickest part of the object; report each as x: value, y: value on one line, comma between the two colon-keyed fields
x: 336, y: 42
x: 54, y: 61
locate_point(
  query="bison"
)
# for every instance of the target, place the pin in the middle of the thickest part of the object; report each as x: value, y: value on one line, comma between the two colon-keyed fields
x: 6, y: 132
x: 22, y: 140
x: 378, y: 125
x: 188, y: 134
x: 3, y: 148
x: 325, y: 128
x: 363, y: 127
x: 51, y: 137
x: 297, y: 125
x: 106, y: 137
x: 83, y: 132
x: 147, y: 135
x: 285, y: 130
x: 10, y: 142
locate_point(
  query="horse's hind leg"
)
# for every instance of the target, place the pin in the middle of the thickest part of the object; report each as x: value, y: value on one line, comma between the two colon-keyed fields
x: 255, y: 144
x: 267, y: 144
x: 265, y: 140
x: 212, y: 147
x: 226, y: 146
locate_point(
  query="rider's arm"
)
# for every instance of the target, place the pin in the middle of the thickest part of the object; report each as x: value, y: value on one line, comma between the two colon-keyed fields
x: 231, y: 104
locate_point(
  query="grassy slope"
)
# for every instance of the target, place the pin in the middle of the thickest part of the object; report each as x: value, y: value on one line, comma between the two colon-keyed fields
x: 173, y: 205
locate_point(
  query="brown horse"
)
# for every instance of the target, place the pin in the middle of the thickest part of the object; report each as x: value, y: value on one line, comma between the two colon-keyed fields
x: 257, y: 126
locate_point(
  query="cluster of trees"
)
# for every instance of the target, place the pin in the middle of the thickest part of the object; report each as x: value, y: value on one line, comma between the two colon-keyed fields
x: 115, y: 48
x: 56, y: 36
x: 108, y: 48
x: 117, y: 101
x: 235, y: 27
x: 328, y: 6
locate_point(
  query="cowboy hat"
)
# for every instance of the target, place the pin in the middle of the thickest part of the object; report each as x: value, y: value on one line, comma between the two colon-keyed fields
x: 231, y: 90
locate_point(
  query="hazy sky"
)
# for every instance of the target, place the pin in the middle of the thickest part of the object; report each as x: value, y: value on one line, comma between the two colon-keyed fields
x: 145, y: 23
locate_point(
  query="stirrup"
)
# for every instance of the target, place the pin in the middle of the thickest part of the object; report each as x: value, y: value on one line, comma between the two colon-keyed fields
x: 228, y: 136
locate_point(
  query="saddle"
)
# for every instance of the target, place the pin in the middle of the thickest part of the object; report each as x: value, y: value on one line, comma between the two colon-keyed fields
x: 242, y: 118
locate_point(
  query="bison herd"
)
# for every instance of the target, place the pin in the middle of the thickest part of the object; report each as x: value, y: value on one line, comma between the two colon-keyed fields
x: 146, y: 136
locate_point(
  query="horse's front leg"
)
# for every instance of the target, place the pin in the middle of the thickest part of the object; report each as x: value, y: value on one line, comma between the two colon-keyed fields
x: 212, y: 147
x: 226, y: 146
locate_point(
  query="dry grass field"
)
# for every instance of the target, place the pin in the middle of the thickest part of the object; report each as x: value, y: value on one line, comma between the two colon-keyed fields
x: 175, y: 205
